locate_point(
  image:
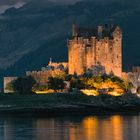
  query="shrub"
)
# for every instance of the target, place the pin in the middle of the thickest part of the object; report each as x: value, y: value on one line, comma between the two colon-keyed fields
x: 24, y: 85
x: 38, y: 87
x: 56, y: 84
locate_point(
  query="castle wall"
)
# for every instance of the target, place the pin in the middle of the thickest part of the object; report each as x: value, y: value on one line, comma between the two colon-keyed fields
x: 100, y: 52
x: 77, y: 56
x: 41, y: 77
x: 110, y: 57
x: 85, y: 53
x: 117, y: 52
x: 107, y: 55
x: 8, y: 80
x: 90, y: 53
x: 89, y: 56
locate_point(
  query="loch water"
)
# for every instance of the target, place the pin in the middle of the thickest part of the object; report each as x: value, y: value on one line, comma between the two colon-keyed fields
x: 100, y: 127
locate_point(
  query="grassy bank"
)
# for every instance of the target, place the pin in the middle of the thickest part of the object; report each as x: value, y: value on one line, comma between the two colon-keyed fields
x: 67, y: 103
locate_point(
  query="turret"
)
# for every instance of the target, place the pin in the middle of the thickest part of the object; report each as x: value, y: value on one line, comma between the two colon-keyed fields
x: 50, y: 62
x: 117, y: 33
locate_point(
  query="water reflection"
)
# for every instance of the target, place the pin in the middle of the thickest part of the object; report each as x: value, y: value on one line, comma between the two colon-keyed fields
x: 115, y: 127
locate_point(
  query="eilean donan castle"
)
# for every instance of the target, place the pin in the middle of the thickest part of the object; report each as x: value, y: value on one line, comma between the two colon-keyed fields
x: 90, y: 47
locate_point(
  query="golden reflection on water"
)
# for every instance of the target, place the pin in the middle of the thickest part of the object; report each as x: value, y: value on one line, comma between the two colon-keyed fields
x: 117, y: 129
x: 90, y: 128
x: 109, y: 128
x: 75, y: 128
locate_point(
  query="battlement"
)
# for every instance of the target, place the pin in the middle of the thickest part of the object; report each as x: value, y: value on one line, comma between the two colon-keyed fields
x: 52, y: 70
x: 41, y: 77
x: 99, y: 32
x: 89, y: 41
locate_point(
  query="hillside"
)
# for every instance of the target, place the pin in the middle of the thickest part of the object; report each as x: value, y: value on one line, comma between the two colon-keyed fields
x: 30, y: 35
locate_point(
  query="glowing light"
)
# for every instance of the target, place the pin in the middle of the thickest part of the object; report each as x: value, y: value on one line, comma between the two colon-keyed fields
x: 114, y: 93
x: 90, y: 92
x: 44, y: 92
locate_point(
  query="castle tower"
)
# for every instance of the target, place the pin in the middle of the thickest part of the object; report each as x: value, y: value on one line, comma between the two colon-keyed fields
x: 76, y: 56
x: 89, y: 47
x: 117, y: 54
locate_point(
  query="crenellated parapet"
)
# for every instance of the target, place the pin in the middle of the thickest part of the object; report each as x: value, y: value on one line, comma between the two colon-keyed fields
x: 53, y: 69
x: 89, y: 41
x: 41, y: 77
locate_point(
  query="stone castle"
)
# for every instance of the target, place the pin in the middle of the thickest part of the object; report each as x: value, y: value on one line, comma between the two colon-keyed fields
x: 90, y: 47
x: 87, y: 49
x: 51, y: 70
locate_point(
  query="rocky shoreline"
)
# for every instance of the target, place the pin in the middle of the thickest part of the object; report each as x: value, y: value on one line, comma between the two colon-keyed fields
x: 59, y: 105
x: 83, y: 109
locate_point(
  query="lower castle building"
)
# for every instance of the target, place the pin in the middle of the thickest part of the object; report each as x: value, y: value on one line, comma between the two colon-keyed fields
x: 51, y: 70
x: 90, y: 47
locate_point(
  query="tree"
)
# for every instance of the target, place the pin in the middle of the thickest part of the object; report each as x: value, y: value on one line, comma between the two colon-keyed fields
x: 39, y: 87
x: 77, y: 83
x: 56, y: 83
x: 24, y: 85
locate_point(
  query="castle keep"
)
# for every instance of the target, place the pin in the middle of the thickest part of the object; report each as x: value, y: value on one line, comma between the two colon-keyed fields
x: 90, y: 47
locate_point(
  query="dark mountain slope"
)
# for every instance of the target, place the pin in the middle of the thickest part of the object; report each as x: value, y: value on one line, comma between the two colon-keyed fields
x: 30, y: 35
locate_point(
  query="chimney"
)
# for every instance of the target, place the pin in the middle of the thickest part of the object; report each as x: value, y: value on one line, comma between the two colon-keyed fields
x: 74, y: 30
x: 100, y: 31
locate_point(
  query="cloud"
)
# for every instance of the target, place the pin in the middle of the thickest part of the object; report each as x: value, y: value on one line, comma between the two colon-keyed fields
x: 6, y: 4
x: 11, y: 2
x: 65, y: 1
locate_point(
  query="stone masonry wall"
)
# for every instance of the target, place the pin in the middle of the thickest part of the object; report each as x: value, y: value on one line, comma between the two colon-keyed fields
x: 84, y: 53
